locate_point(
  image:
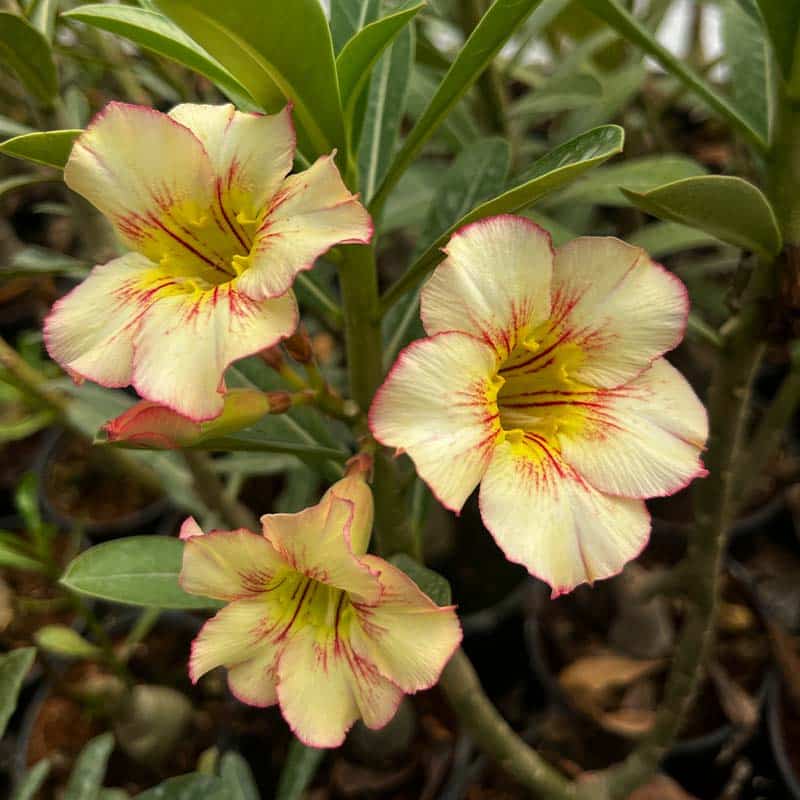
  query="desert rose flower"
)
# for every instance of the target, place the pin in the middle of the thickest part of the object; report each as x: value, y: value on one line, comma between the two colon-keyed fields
x: 312, y: 623
x: 542, y: 380
x: 218, y: 233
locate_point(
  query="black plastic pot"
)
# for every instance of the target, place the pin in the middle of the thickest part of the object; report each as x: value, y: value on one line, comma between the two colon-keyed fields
x: 151, y: 518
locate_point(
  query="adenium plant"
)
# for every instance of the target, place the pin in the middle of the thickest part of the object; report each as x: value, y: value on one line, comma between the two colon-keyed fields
x: 541, y: 382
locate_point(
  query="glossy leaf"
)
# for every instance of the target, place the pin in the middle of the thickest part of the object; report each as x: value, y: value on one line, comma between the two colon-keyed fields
x: 26, y: 51
x: 354, y: 64
x: 62, y: 640
x: 556, y: 169
x: 619, y: 18
x: 573, y: 92
x: 729, y: 208
x: 348, y: 17
x: 432, y: 583
x: 194, y: 786
x: 492, y: 31
x: 238, y: 777
x: 49, y: 148
x: 154, y: 32
x: 601, y: 186
x: 15, y: 558
x: 42, y: 15
x: 32, y: 782
x: 14, y: 667
x: 747, y: 52
x: 278, y: 51
x: 667, y: 238
x: 386, y: 105
x: 90, y: 769
x: 298, y: 771
x: 137, y: 570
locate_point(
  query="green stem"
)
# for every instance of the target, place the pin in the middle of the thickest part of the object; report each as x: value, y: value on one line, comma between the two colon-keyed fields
x: 495, y: 736
x: 358, y: 280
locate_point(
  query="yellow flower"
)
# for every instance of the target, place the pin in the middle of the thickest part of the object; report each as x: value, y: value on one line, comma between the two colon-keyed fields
x: 542, y: 380
x: 218, y: 233
x: 312, y: 623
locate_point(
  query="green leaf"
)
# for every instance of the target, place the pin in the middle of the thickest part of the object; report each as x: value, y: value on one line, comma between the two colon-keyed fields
x: 10, y: 127
x: 748, y: 56
x: 667, y: 238
x: 64, y: 641
x: 479, y: 172
x: 27, y: 52
x: 194, y: 786
x: 238, y: 776
x: 11, y: 557
x: 49, y: 148
x: 90, y: 769
x: 137, y: 570
x: 20, y: 181
x: 42, y: 15
x: 31, y: 783
x: 386, y: 105
x: 729, y: 208
x: 577, y: 90
x: 782, y: 20
x: 154, y: 32
x: 550, y: 172
x: 628, y: 26
x: 14, y: 667
x: 601, y: 186
x: 348, y: 17
x: 278, y: 51
x: 354, y: 64
x: 301, y: 765
x: 430, y: 582
x: 493, y: 30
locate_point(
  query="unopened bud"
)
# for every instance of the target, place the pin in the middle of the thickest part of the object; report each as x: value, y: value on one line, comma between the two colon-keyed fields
x: 298, y: 346
x: 279, y: 402
x: 273, y: 357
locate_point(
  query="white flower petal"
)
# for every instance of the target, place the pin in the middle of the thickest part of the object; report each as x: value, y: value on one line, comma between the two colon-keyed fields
x: 542, y: 515
x: 494, y: 281
x: 436, y: 406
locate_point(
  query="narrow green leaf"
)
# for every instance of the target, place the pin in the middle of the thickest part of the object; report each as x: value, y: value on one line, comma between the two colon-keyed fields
x: 42, y: 15
x: 278, y: 51
x: 354, y: 64
x: 10, y: 127
x: 301, y: 765
x: 154, y: 32
x: 729, y: 208
x: 432, y: 583
x: 628, y: 26
x: 138, y: 570
x: 601, y: 186
x: 238, y: 777
x: 32, y: 782
x: 747, y: 52
x: 49, y: 148
x: 21, y: 181
x: 386, y: 105
x: 90, y: 769
x: 11, y: 557
x: 348, y: 17
x: 494, y: 29
x: 14, y: 667
x: 557, y: 168
x: 64, y: 641
x: 194, y: 786
x: 26, y: 51
x: 577, y: 90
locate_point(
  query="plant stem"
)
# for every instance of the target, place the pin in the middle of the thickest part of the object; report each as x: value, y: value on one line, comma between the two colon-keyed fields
x: 358, y: 280
x: 495, y: 736
x: 211, y: 490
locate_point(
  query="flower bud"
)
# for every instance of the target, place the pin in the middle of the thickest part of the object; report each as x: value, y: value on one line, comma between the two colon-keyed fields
x: 298, y: 346
x: 273, y: 357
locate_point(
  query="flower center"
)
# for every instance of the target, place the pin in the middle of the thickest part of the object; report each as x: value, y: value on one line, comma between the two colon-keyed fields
x: 538, y: 395
x: 210, y: 245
